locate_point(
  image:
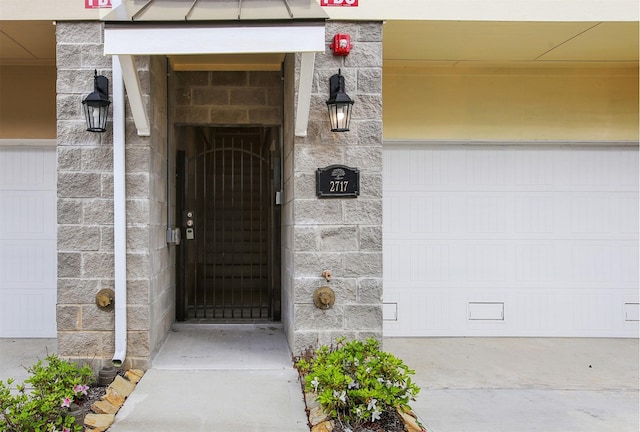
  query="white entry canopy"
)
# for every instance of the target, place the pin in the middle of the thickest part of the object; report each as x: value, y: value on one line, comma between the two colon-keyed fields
x: 205, y: 27
x: 216, y: 10
x: 180, y: 40
x: 176, y: 27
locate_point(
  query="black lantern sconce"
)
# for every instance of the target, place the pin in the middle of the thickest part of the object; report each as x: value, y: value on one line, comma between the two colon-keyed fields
x: 339, y: 104
x: 96, y: 104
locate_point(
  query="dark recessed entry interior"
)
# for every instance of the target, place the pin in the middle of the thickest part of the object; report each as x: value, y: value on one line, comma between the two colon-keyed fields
x: 229, y: 257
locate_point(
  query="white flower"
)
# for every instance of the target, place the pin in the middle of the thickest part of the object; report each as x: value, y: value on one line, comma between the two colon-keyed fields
x: 353, y: 384
x: 372, y: 405
x: 380, y: 380
x: 340, y: 395
x: 315, y: 383
x: 375, y: 415
x: 388, y: 384
x: 356, y: 362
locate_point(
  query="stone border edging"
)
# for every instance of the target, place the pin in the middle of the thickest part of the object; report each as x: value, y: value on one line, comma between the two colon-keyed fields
x: 319, y: 420
x: 105, y: 410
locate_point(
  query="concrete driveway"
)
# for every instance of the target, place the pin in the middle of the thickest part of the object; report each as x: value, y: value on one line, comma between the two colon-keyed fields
x: 524, y: 384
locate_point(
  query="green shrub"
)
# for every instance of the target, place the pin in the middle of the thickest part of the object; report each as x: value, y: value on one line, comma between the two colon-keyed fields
x: 55, y: 384
x: 356, y: 382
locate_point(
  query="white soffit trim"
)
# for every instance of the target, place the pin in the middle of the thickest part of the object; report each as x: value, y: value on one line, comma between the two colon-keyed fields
x: 175, y: 40
x: 28, y: 142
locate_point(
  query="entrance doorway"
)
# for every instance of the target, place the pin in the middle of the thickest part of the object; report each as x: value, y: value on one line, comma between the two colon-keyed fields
x: 229, y: 257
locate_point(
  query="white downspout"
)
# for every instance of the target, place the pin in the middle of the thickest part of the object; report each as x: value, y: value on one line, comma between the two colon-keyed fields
x: 119, y: 215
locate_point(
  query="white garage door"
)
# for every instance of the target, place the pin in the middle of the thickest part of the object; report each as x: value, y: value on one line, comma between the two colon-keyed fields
x: 511, y: 241
x: 27, y: 242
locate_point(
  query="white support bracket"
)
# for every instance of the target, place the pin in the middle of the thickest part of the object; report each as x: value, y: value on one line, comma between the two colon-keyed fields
x: 136, y: 101
x: 304, y: 93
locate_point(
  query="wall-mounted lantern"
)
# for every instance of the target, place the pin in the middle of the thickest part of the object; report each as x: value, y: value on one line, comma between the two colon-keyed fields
x: 339, y: 104
x: 96, y: 104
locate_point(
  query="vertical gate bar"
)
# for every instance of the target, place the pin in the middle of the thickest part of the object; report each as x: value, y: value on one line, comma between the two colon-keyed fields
x: 196, y: 284
x: 252, y: 245
x: 257, y: 256
x: 242, y: 222
x: 260, y: 151
x: 214, y: 215
x: 223, y: 230
x: 180, y: 249
x: 191, y: 194
x: 269, y: 219
x: 233, y: 223
x: 261, y: 218
x: 203, y: 237
x: 269, y: 179
x: 197, y: 215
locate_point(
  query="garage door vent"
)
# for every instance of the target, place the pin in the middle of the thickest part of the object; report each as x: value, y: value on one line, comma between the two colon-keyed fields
x: 632, y: 311
x: 390, y: 311
x: 486, y: 311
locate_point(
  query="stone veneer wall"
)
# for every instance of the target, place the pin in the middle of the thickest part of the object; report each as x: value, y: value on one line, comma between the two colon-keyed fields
x: 85, y: 210
x: 227, y: 98
x: 340, y: 235
x: 161, y: 257
x: 286, y: 243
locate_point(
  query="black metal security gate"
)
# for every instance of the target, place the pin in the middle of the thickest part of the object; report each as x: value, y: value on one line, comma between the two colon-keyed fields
x: 230, y: 243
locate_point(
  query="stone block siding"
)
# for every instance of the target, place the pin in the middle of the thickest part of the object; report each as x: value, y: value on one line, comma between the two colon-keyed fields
x: 228, y: 98
x: 161, y: 260
x: 341, y: 235
x: 85, y: 209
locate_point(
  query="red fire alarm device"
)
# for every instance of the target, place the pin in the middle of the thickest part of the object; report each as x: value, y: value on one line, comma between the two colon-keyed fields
x: 341, y: 44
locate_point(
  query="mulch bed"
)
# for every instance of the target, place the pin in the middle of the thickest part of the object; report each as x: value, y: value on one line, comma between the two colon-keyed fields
x: 84, y: 405
x: 389, y: 422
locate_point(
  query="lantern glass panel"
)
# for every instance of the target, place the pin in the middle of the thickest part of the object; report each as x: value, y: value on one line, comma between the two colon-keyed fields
x: 340, y: 116
x: 96, y: 116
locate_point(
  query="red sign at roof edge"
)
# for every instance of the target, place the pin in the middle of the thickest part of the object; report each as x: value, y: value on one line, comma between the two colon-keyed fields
x: 347, y: 3
x: 96, y: 4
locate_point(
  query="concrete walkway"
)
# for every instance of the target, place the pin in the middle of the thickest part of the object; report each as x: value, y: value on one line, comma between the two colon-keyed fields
x: 240, y: 378
x: 218, y: 378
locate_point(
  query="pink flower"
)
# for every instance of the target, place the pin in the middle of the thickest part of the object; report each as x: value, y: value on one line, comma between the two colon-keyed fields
x: 80, y: 389
x: 66, y: 402
x: 66, y: 430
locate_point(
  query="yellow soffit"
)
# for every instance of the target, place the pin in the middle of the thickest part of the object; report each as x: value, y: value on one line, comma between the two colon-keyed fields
x: 231, y: 62
x: 452, y: 42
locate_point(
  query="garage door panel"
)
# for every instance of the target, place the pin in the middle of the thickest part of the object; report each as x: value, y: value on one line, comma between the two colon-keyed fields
x: 27, y: 242
x: 517, y: 169
x: 629, y: 214
x: 550, y: 232
x: 27, y: 265
x: 528, y: 264
x: 30, y: 216
x: 28, y: 169
x: 540, y: 313
x: 604, y: 262
x: 28, y: 315
x: 525, y: 215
